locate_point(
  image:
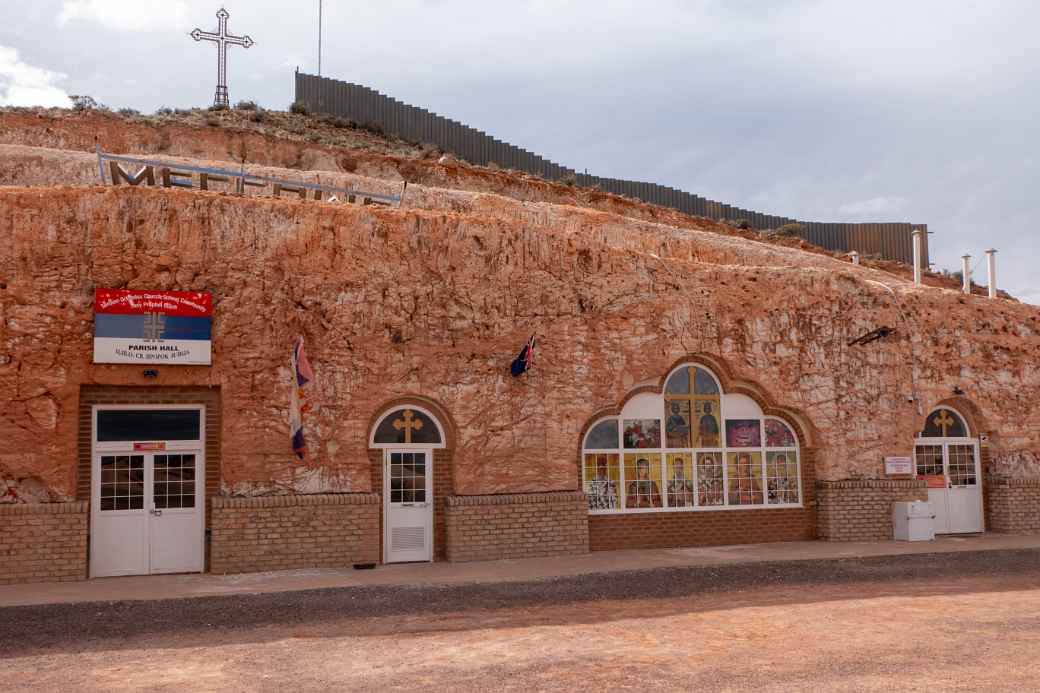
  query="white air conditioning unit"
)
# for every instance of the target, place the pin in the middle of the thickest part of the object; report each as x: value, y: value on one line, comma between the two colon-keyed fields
x: 913, y: 521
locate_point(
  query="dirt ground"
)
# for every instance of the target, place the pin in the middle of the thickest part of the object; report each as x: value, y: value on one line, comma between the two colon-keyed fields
x: 909, y: 623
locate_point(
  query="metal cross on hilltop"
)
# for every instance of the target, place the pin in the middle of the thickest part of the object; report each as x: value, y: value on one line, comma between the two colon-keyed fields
x: 222, y: 39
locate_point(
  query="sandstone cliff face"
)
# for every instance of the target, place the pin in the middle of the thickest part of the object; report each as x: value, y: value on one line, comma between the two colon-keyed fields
x: 437, y: 298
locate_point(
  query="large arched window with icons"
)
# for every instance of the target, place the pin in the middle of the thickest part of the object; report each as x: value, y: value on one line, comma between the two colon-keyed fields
x: 693, y: 447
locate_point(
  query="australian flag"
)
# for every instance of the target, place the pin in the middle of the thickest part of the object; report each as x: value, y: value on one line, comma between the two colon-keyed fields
x: 522, y: 362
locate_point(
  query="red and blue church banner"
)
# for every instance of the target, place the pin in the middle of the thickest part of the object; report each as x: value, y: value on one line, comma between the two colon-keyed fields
x: 153, y: 327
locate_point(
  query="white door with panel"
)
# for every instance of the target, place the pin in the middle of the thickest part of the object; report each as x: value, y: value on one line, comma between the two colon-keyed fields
x: 953, y: 473
x: 147, y: 491
x: 408, y: 505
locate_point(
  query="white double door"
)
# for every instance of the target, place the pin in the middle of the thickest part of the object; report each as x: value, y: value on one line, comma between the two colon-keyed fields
x: 407, y: 505
x: 147, y: 510
x: 952, y: 471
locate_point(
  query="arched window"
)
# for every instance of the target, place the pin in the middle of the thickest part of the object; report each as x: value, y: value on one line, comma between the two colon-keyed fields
x: 692, y: 448
x: 944, y: 422
x: 407, y: 425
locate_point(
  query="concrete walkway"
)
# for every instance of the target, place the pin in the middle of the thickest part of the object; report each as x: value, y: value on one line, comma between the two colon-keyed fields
x: 147, y: 587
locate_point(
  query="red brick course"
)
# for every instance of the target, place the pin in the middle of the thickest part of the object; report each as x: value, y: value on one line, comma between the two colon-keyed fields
x: 861, y: 509
x: 481, y: 528
x: 44, y: 542
x: 282, y: 532
x: 1013, y: 505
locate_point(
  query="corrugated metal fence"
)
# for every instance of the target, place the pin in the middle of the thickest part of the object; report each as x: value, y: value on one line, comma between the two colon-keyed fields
x: 365, y: 106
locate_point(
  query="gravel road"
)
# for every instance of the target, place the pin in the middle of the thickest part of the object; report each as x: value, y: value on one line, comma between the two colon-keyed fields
x: 963, y: 621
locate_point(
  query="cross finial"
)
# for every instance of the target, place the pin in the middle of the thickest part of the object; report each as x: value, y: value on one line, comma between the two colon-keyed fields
x: 223, y: 39
x: 408, y: 424
x: 944, y: 421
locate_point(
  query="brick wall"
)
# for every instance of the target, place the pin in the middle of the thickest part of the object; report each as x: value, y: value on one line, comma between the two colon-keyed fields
x: 861, y: 509
x: 1013, y: 505
x: 44, y: 542
x: 706, y: 528
x: 481, y: 528
x: 281, y: 532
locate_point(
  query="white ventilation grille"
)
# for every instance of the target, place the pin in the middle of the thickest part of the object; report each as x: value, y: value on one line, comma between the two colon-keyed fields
x: 407, y: 538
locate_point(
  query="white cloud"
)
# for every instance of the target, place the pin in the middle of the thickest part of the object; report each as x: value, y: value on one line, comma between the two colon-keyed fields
x: 22, y: 84
x: 874, y: 207
x: 127, y: 15
x: 1026, y: 294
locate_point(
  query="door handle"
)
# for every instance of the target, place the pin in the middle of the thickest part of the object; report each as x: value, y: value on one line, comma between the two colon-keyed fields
x: 155, y: 512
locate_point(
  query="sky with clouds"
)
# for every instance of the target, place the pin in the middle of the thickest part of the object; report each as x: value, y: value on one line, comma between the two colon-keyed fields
x: 925, y: 111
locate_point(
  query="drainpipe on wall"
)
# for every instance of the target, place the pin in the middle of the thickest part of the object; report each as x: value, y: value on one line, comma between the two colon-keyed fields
x: 991, y: 264
x: 966, y: 273
x: 918, y: 235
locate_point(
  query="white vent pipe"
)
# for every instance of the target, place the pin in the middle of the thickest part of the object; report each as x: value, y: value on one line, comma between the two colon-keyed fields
x: 966, y: 273
x: 918, y: 236
x: 991, y: 264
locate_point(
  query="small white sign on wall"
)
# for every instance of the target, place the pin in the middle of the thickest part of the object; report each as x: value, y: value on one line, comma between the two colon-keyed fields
x: 898, y: 465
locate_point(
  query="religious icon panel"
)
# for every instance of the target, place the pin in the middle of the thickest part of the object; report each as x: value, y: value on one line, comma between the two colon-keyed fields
x: 744, y: 470
x: 706, y: 413
x: 782, y: 477
x: 642, y: 480
x: 710, y: 489
x: 642, y: 433
x: 677, y: 423
x: 679, y: 489
x: 602, y: 481
x: 744, y: 433
x: 778, y: 435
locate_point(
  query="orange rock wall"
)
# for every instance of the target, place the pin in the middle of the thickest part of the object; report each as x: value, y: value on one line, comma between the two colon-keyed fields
x: 436, y: 303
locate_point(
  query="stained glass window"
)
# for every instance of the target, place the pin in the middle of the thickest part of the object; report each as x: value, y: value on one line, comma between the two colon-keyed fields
x: 710, y: 487
x: 602, y: 481
x: 700, y: 460
x: 679, y: 383
x: 679, y: 487
x: 407, y: 426
x: 704, y: 384
x: 603, y: 436
x: 642, y: 480
x: 743, y: 433
x: 944, y: 423
x: 782, y: 477
x: 744, y: 470
x: 778, y: 435
x: 706, y: 414
x: 677, y: 423
x: 642, y: 433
